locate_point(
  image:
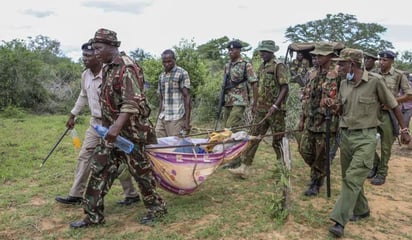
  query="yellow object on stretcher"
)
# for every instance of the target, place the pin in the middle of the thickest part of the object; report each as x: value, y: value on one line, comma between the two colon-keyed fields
x: 217, y: 137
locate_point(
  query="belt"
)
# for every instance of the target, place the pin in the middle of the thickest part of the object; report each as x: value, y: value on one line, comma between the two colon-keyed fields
x: 356, y: 130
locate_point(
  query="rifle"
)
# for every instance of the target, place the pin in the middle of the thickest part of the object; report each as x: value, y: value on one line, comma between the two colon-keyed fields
x: 226, y: 85
x: 327, y: 150
x: 221, y: 99
x: 54, y: 147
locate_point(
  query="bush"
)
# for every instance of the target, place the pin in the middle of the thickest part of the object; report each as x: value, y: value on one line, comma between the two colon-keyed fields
x: 13, y: 112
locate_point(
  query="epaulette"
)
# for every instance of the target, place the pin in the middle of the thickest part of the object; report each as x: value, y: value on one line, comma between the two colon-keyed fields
x: 127, y: 60
x: 398, y: 71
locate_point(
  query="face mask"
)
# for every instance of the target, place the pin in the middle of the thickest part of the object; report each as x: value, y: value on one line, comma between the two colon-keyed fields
x: 349, y: 76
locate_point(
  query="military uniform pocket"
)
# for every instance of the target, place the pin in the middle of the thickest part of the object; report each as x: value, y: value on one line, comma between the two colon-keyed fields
x: 365, y: 104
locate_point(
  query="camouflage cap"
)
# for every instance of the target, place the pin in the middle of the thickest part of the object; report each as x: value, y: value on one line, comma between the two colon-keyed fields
x: 268, y: 45
x: 234, y: 44
x: 350, y: 54
x: 106, y: 36
x: 387, y: 54
x: 323, y: 48
x: 370, y: 53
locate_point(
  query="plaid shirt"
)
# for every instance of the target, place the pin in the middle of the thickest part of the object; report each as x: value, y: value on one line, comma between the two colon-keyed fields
x: 170, y: 87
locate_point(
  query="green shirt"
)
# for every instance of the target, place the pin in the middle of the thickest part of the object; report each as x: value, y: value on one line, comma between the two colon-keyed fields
x: 395, y: 81
x: 361, y: 102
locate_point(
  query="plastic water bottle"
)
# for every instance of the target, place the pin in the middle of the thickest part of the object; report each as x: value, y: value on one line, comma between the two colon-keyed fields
x: 76, y: 140
x: 121, y: 142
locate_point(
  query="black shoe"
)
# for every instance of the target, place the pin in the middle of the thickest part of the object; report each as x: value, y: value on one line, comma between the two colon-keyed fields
x: 337, y: 230
x: 151, y: 217
x: 378, y: 180
x: 69, y: 200
x: 372, y: 172
x: 83, y: 224
x: 148, y: 219
x: 356, y: 218
x: 313, y: 190
x: 129, y: 200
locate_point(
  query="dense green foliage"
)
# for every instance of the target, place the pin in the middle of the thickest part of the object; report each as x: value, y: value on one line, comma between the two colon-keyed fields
x: 37, y: 77
x: 34, y: 75
x: 343, y: 28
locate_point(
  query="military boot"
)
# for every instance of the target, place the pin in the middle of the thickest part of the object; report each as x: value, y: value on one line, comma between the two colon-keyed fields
x: 314, y: 187
x: 242, y: 171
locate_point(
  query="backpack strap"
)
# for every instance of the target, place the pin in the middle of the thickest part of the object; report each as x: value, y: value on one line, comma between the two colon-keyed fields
x: 136, y: 68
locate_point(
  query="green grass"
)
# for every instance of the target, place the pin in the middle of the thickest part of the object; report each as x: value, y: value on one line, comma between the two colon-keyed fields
x: 224, y: 207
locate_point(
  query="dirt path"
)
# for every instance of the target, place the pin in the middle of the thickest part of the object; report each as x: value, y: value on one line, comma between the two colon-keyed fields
x: 391, y: 203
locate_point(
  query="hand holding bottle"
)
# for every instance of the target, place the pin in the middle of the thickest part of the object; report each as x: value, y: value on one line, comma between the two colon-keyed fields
x: 121, y: 142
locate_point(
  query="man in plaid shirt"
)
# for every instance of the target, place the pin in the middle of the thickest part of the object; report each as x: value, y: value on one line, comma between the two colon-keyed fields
x: 174, y: 85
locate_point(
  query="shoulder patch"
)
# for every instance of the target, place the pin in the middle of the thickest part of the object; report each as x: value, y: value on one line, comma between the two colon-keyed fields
x: 128, y: 61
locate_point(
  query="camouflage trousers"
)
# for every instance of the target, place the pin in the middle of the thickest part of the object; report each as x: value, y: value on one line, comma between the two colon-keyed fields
x: 312, y: 148
x: 105, y: 163
x: 276, y: 123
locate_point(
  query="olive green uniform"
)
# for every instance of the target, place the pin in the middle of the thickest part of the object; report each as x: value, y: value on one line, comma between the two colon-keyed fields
x: 395, y: 80
x: 360, y: 118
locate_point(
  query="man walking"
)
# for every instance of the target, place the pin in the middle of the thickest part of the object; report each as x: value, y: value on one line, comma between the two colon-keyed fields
x: 89, y: 95
x: 389, y: 129
x: 240, y: 86
x: 270, y: 111
x: 174, y: 89
x: 125, y: 112
x: 360, y: 96
x: 322, y: 83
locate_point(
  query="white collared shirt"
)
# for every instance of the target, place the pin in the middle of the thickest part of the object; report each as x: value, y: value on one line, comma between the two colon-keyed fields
x: 89, y: 94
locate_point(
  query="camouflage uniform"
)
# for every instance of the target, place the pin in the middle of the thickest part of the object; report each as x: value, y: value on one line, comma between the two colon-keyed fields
x: 312, y: 145
x: 122, y: 94
x: 271, y: 76
x: 238, y: 97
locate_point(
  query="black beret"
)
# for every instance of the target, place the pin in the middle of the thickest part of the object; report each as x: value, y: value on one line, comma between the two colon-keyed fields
x: 87, y: 46
x: 387, y: 54
x: 234, y: 44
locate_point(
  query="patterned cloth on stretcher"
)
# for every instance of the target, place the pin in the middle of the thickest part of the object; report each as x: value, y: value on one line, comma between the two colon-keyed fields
x: 181, y: 172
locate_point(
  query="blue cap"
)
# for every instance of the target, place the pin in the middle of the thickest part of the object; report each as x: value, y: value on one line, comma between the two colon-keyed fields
x: 87, y: 46
x: 234, y: 44
x: 387, y: 54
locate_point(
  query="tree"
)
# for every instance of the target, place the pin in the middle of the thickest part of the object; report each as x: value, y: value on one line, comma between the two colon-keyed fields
x: 405, y: 61
x: 343, y: 28
x: 19, y: 84
x: 33, y: 75
x: 215, y: 51
x: 140, y: 55
x: 188, y: 58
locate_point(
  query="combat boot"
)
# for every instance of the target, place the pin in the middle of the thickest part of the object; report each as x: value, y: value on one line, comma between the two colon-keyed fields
x: 314, y: 187
x: 242, y: 171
